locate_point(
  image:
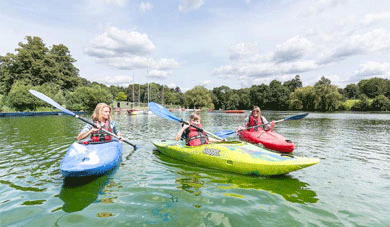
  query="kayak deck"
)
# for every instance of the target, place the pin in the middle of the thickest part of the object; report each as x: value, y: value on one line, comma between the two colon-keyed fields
x: 269, y: 139
x: 91, y: 159
x: 235, y: 156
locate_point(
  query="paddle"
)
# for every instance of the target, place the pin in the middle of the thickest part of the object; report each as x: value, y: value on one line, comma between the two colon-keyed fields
x: 164, y: 113
x: 58, y: 106
x: 226, y: 133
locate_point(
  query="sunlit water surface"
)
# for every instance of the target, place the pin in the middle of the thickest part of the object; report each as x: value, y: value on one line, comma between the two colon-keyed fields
x: 349, y: 187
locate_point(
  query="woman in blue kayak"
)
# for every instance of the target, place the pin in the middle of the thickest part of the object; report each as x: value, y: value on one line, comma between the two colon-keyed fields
x: 102, y: 117
x: 256, y: 120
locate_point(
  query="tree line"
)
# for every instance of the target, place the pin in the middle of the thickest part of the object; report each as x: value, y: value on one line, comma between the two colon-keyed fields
x: 51, y: 71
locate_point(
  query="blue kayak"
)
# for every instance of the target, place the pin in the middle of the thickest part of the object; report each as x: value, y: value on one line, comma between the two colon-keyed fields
x: 91, y: 158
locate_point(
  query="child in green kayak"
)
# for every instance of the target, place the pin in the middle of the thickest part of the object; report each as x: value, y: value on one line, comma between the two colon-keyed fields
x: 193, y: 136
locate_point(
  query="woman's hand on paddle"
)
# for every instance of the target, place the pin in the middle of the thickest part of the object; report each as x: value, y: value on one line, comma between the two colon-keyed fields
x: 272, y: 125
x: 94, y: 129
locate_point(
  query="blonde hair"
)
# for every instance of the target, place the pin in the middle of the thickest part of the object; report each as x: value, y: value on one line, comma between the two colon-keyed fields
x: 255, y: 108
x: 195, y: 115
x: 97, y: 113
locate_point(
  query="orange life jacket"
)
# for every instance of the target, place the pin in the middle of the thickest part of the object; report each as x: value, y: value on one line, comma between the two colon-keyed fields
x: 100, y: 135
x: 196, y: 137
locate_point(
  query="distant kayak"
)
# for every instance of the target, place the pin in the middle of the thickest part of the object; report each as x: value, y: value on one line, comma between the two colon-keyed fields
x: 235, y: 111
x: 269, y: 139
x: 91, y: 158
x: 235, y: 156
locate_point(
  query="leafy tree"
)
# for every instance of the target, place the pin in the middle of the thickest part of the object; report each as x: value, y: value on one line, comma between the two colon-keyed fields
x: 363, y: 105
x: 170, y: 96
x: 64, y: 72
x: 244, y: 97
x: 20, y: 98
x: 327, y: 97
x: 302, y: 99
x: 259, y: 95
x: 115, y: 90
x: 88, y: 97
x: 323, y: 81
x: 351, y: 91
x: 199, y: 97
x: 221, y: 96
x: 121, y: 96
x: 293, y: 84
x: 37, y: 65
x: 233, y: 102
x: 373, y: 87
x: 381, y: 103
x: 278, y: 96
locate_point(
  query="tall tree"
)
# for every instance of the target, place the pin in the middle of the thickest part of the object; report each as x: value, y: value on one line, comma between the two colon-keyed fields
x: 293, y: 84
x: 351, y: 91
x: 259, y: 95
x: 199, y: 97
x: 374, y: 87
x: 37, y: 65
x: 221, y: 96
x: 278, y: 96
x: 323, y: 81
x: 303, y: 99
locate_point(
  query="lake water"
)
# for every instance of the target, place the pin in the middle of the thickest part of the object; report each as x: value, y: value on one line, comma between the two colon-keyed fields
x: 349, y: 187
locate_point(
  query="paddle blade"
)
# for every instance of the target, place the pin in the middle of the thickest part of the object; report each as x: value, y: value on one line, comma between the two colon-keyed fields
x: 296, y: 117
x: 51, y: 102
x: 224, y: 133
x: 163, y: 112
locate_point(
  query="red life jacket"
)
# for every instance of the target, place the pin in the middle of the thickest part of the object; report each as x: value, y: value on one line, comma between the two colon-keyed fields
x: 253, y: 122
x: 196, y: 137
x: 100, y: 135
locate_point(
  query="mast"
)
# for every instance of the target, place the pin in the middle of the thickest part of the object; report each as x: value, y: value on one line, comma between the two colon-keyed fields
x: 133, y: 90
x: 147, y: 75
x: 139, y: 95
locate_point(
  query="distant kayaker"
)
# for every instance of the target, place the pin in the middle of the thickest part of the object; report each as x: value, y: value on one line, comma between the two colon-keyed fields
x: 103, y: 118
x: 192, y: 135
x: 256, y: 120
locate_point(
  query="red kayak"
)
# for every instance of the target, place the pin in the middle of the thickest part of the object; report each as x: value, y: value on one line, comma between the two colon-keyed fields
x: 269, y: 139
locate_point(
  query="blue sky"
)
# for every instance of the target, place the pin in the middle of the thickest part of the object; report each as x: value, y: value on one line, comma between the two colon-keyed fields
x: 211, y: 43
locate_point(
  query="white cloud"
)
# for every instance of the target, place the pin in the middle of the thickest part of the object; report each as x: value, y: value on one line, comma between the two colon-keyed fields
x: 98, y: 6
x: 356, y: 44
x: 126, y: 63
x: 145, y: 6
x: 119, y: 80
x: 246, y: 60
x: 158, y: 74
x: 164, y: 64
x: 243, y: 50
x: 117, y: 42
x: 206, y: 82
x: 371, y: 69
x: 372, y: 18
x: 293, y: 49
x: 320, y: 6
x: 188, y: 5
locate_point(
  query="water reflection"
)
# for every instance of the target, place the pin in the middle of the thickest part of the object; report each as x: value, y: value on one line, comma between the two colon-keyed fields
x: 192, y: 178
x: 79, y: 192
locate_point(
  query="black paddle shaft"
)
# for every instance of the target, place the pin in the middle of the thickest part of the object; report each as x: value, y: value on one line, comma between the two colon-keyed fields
x: 110, y: 133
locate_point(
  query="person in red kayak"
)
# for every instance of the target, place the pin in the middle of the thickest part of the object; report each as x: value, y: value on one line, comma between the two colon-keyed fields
x: 256, y: 120
x: 192, y: 135
x: 103, y: 118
